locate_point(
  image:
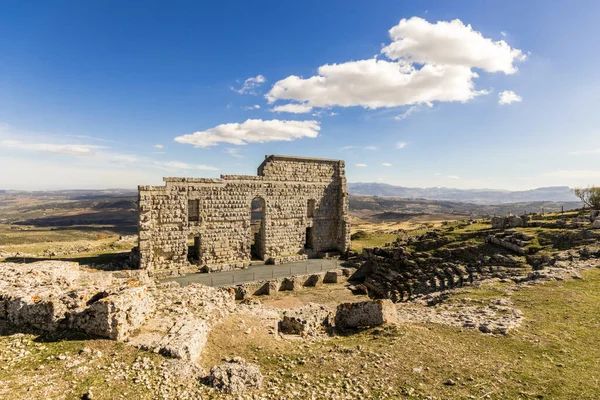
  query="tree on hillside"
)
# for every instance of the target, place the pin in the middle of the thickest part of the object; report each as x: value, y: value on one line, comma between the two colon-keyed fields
x: 590, y: 196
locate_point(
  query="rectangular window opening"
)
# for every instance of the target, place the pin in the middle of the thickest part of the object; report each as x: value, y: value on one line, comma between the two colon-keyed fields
x: 193, y: 210
x: 309, y: 239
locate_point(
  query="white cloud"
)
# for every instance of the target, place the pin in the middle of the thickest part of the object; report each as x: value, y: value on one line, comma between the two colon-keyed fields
x: 427, y: 63
x: 386, y: 164
x: 450, y: 43
x: 347, y: 148
x: 177, y: 165
x: 509, y: 97
x: 371, y: 148
x: 453, y: 177
x: 70, y: 149
x: 401, y: 145
x: 253, y: 107
x: 503, y: 33
x: 252, y: 131
x: 234, y: 152
x: 250, y: 85
x: 159, y: 146
x: 377, y: 83
x: 361, y: 165
x: 293, y: 108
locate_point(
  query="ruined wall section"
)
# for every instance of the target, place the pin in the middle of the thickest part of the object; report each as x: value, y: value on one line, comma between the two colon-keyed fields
x: 222, y: 229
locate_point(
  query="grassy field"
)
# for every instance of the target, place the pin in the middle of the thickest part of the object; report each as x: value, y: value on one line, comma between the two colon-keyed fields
x: 553, y: 355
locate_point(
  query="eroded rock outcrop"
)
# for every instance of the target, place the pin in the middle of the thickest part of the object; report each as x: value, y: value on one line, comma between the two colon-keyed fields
x: 52, y: 295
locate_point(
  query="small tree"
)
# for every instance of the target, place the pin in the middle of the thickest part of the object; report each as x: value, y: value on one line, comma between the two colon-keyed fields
x: 590, y: 196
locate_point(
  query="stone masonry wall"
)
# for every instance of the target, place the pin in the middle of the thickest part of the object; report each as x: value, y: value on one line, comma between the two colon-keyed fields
x: 222, y: 229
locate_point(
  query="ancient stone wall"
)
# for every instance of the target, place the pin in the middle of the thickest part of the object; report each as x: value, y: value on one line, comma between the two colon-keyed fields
x: 303, y: 198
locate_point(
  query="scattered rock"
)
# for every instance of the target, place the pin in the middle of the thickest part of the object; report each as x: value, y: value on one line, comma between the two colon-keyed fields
x: 235, y: 376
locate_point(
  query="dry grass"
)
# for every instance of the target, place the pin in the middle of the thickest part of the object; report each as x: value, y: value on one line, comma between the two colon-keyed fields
x: 553, y: 355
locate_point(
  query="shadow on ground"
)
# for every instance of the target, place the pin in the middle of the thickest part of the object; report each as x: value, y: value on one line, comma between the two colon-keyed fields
x: 88, y: 260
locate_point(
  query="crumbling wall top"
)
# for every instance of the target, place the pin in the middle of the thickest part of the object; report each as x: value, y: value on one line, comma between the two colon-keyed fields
x: 296, y: 168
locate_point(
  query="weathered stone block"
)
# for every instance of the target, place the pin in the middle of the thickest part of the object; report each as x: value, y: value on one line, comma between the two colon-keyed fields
x: 185, y: 340
x: 116, y: 315
x: 307, y: 320
x: 364, y: 314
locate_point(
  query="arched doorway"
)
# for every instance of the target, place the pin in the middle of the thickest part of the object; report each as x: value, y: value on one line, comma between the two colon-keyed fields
x: 257, y: 229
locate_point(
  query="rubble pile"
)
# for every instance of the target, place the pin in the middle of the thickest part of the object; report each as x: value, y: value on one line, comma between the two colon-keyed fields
x: 235, y: 376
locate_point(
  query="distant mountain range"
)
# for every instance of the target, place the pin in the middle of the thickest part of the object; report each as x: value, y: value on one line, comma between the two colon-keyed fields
x: 477, y: 196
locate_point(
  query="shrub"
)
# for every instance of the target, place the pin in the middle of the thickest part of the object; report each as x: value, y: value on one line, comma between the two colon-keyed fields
x: 589, y: 196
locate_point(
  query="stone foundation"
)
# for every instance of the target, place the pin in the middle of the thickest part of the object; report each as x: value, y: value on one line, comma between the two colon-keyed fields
x: 292, y: 283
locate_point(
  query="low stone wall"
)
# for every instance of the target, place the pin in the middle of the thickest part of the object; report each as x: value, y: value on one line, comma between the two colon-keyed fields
x: 292, y: 283
x: 512, y: 221
x: 510, y: 240
x: 287, y: 259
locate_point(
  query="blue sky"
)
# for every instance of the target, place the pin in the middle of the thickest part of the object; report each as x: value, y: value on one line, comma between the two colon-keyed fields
x: 116, y: 94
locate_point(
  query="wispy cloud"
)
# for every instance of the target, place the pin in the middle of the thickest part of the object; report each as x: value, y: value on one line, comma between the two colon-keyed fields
x: 70, y: 149
x: 234, y: 152
x: 90, y: 138
x: 252, y: 107
x: 371, y: 148
x: 453, y: 177
x: 411, y: 110
x: 592, y: 175
x: 361, y: 165
x: 579, y: 152
x: 250, y: 85
x: 182, y: 166
x: 401, y: 145
x: 347, y: 148
x: 386, y: 164
x: 159, y: 146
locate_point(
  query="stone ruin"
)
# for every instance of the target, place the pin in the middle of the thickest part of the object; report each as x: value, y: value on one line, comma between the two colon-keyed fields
x: 202, y: 224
